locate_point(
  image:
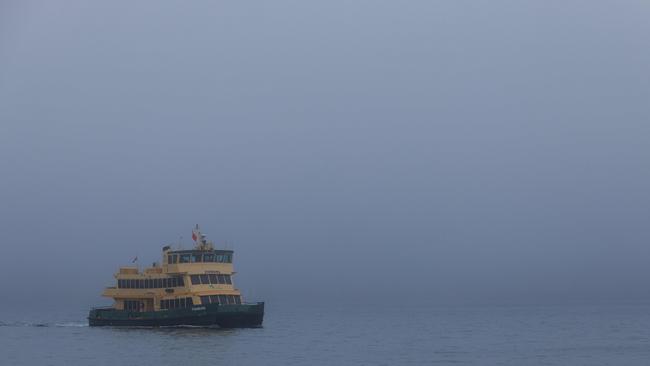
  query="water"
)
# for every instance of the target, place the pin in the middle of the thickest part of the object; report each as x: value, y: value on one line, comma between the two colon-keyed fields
x: 351, y: 335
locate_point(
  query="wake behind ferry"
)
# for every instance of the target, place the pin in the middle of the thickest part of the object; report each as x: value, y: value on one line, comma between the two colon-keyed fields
x: 191, y: 287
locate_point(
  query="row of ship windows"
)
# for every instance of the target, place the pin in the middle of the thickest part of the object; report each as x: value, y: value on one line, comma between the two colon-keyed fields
x: 152, y: 283
x: 133, y: 305
x: 184, y: 302
x: 220, y: 299
x: 210, y: 279
x: 198, y: 258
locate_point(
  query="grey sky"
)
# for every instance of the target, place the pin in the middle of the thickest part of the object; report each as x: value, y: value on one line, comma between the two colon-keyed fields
x: 468, y: 151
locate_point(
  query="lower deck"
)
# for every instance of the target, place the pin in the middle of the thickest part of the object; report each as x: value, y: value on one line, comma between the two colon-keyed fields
x: 226, y: 316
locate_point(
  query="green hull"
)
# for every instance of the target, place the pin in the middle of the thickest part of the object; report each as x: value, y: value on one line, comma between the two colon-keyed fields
x: 225, y: 316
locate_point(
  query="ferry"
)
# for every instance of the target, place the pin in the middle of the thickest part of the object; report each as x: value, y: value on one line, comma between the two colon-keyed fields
x: 190, y: 287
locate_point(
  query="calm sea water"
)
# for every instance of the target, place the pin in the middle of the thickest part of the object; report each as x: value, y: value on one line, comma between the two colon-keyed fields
x: 350, y: 335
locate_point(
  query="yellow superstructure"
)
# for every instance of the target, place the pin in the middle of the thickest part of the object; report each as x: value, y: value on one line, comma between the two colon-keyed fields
x: 202, y: 275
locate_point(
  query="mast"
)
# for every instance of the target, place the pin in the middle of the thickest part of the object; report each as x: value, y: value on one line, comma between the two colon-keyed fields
x: 201, y: 242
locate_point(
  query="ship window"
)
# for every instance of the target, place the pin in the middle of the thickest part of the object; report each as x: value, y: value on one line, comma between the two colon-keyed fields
x: 172, y: 282
x: 228, y: 280
x: 177, y: 303
x: 175, y: 258
x: 196, y: 257
x: 221, y: 280
x: 214, y: 299
x: 185, y: 258
x: 181, y: 283
x: 205, y: 300
x: 213, y: 279
x: 132, y: 305
x: 238, y: 300
x: 169, y: 259
x: 195, y: 280
x: 205, y: 279
x: 119, y: 284
x: 208, y: 257
x: 228, y: 258
x: 219, y: 258
x: 165, y: 282
x: 222, y: 299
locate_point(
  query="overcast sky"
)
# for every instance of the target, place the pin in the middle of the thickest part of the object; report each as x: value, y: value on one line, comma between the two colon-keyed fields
x: 445, y: 151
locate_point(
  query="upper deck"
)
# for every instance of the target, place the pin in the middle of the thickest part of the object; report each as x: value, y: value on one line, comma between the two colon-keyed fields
x: 202, y: 275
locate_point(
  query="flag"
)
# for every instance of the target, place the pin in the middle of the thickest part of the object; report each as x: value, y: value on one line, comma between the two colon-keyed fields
x: 134, y: 259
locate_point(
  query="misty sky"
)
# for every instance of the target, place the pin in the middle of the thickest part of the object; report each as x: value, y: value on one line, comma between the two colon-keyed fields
x: 446, y: 151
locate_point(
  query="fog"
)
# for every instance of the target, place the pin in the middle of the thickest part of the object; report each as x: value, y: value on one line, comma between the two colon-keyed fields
x: 348, y: 151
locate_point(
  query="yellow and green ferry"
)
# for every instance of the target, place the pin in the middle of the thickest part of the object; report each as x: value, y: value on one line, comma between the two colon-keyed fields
x: 190, y: 287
